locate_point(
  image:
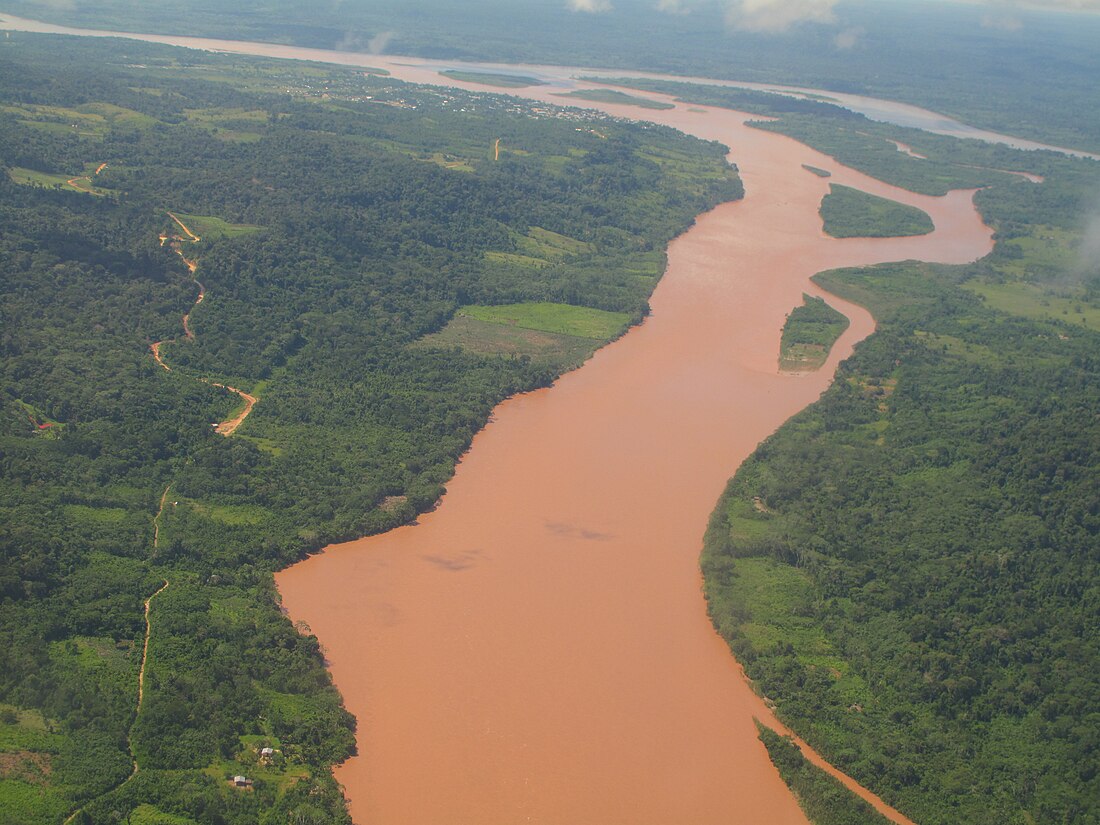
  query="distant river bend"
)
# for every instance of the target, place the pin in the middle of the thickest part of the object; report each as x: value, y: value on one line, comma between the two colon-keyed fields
x: 537, y: 649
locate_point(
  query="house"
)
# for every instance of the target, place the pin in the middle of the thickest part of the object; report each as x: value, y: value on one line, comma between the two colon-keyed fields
x: 242, y: 781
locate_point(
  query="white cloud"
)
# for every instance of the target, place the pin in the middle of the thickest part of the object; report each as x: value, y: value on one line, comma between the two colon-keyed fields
x: 673, y: 6
x: 778, y: 15
x: 590, y: 6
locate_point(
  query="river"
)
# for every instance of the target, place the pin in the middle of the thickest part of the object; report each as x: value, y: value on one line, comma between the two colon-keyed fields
x: 537, y: 649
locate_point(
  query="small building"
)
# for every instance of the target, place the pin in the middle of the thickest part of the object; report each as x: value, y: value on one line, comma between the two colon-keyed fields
x: 242, y: 781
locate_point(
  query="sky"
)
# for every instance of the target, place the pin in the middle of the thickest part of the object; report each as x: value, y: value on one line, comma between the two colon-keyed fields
x: 780, y: 15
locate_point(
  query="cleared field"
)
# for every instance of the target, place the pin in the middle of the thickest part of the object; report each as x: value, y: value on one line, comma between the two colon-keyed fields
x: 542, y: 243
x: 1037, y: 302
x: 559, y: 319
x: 209, y: 226
x: 32, y: 177
x: 613, y: 96
x: 488, y: 338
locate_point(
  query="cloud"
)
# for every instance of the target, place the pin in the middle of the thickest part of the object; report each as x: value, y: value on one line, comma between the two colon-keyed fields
x: 589, y: 6
x: 848, y: 38
x: 673, y: 6
x: 778, y: 15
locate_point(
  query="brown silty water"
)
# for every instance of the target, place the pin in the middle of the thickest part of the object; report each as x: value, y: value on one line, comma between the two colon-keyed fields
x: 537, y: 649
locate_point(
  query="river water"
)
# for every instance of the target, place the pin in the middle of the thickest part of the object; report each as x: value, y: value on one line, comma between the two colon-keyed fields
x: 537, y: 649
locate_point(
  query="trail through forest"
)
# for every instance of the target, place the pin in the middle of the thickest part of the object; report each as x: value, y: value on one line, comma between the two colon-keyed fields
x: 230, y: 425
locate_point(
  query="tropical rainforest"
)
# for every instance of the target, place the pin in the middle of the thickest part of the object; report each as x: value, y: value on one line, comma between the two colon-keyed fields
x: 176, y: 224
x: 908, y: 569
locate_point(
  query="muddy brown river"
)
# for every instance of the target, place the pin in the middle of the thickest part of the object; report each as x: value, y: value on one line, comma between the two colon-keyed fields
x: 537, y: 649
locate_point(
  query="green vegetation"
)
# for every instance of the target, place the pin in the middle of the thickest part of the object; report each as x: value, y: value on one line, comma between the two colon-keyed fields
x: 821, y: 173
x: 335, y: 314
x: 543, y: 349
x: 850, y: 213
x: 558, y: 336
x: 560, y: 319
x: 1033, y: 76
x: 809, y: 333
x: 29, y: 177
x: 211, y: 228
x: 503, y: 81
x: 615, y: 96
x: 907, y: 567
x: 823, y: 798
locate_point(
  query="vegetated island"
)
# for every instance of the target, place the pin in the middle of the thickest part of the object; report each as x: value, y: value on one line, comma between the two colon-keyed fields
x: 503, y: 81
x: 808, y: 334
x: 850, y: 213
x: 821, y: 173
x: 615, y: 96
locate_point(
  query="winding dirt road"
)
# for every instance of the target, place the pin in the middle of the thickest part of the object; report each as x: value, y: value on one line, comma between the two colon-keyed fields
x: 229, y: 426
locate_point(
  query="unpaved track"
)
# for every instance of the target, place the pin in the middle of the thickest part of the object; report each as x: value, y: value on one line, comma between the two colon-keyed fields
x: 228, y: 427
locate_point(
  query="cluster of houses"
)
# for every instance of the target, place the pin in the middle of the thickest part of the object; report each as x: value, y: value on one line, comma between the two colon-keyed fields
x: 267, y: 756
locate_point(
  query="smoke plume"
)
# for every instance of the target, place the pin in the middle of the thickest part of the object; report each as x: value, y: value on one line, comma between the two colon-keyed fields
x: 848, y: 38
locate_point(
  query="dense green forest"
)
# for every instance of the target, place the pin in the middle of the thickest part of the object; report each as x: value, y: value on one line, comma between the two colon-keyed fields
x: 909, y: 568
x: 849, y: 213
x: 342, y: 219
x: 1007, y: 68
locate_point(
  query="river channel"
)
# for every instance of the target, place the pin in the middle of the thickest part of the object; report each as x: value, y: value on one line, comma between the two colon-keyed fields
x: 537, y: 649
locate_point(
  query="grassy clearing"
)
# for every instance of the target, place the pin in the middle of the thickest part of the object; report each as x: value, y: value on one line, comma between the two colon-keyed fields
x: 808, y: 334
x: 148, y: 815
x: 504, y: 81
x: 488, y: 338
x: 209, y: 226
x: 1037, y: 302
x: 542, y: 243
x: 46, y: 180
x: 27, y: 752
x: 90, y: 120
x: 449, y: 161
x: 559, y: 319
x: 237, y: 515
x: 850, y: 213
x: 613, y: 96
x: 779, y: 599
